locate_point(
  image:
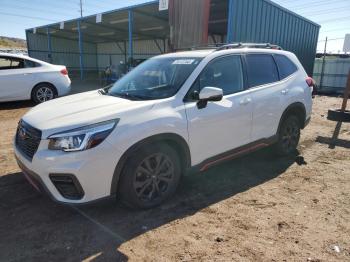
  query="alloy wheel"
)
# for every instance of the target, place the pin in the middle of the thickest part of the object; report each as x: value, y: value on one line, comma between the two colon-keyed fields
x: 44, y: 94
x: 290, y: 136
x: 153, y: 177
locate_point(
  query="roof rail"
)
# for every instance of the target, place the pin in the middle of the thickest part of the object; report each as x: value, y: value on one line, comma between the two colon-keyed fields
x: 248, y: 45
x: 201, y: 47
x: 225, y: 46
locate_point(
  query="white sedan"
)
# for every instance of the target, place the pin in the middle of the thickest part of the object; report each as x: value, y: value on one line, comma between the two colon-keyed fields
x: 25, y: 78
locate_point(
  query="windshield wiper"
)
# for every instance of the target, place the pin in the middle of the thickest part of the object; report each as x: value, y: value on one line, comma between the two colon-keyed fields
x: 102, y: 92
x: 131, y: 96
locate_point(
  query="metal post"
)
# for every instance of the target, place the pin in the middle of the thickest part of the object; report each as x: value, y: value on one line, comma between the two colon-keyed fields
x: 131, y: 51
x: 323, y: 62
x: 80, y: 51
x: 125, y: 55
x: 230, y: 22
x: 49, y: 46
x: 346, y: 94
x: 81, y: 8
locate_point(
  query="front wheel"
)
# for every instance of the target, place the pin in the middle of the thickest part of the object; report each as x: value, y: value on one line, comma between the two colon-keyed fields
x: 43, y: 92
x: 150, y: 176
x: 288, y: 136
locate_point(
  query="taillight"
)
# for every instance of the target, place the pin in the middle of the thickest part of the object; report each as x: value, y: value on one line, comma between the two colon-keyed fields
x: 64, y: 71
x: 310, y: 82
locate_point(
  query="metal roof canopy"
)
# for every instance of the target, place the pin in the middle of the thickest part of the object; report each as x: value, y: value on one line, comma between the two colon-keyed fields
x: 238, y: 20
x: 148, y: 23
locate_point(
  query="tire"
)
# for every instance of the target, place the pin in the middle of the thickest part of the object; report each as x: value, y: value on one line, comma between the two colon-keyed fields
x: 142, y: 184
x: 43, y: 92
x: 338, y: 116
x: 288, y: 136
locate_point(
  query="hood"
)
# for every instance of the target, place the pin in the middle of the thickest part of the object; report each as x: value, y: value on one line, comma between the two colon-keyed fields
x: 81, y: 109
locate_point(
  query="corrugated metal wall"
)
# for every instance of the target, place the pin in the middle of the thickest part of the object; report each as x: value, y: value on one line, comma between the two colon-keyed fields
x: 95, y: 56
x: 335, y: 74
x: 114, y: 52
x: 264, y: 21
x: 64, y: 51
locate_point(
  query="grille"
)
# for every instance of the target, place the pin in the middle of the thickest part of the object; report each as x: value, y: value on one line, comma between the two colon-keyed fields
x: 27, y: 139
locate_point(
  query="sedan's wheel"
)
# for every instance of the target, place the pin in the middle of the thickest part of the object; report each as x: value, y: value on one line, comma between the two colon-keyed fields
x: 150, y: 177
x: 43, y: 92
x: 288, y: 137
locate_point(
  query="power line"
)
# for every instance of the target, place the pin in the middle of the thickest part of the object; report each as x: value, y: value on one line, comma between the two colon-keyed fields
x: 338, y: 29
x: 321, y: 12
x: 334, y: 19
x: 317, y: 3
x: 35, y: 9
x: 29, y: 17
x: 332, y: 39
x: 55, y: 4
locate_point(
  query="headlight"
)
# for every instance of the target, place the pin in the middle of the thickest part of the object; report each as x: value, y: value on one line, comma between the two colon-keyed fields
x: 82, y: 138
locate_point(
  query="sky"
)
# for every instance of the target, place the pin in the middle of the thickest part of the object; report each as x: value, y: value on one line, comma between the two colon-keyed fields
x: 18, y: 15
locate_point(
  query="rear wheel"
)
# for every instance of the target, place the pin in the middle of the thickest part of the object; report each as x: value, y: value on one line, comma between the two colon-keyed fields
x: 150, y: 176
x: 288, y: 136
x: 43, y: 92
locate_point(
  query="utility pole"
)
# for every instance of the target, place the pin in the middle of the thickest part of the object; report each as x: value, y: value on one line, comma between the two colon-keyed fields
x: 323, y: 62
x: 81, y: 8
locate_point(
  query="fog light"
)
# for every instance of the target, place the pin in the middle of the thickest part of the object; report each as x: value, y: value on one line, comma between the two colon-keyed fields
x: 68, y: 186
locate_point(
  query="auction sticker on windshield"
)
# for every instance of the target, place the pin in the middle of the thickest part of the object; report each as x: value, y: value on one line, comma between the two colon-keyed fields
x: 183, y: 62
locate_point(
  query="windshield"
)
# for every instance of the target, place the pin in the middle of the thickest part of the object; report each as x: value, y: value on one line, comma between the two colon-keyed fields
x: 155, y: 78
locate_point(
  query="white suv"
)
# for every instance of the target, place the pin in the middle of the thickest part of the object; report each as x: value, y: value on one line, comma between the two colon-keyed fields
x: 172, y: 113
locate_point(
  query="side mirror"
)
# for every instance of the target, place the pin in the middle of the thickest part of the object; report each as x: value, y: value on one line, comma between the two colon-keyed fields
x: 209, y: 94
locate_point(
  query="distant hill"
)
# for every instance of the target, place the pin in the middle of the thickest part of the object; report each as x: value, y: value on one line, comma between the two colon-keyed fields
x: 12, y: 42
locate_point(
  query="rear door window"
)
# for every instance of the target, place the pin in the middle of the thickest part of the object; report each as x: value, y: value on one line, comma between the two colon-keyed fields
x: 261, y: 69
x: 285, y: 66
x: 17, y: 63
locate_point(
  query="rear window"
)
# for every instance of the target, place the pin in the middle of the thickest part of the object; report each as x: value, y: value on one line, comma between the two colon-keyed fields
x: 30, y: 64
x: 285, y: 66
x: 261, y: 69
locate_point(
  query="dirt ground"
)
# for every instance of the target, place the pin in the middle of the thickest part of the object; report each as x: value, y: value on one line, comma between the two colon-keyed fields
x: 255, y: 208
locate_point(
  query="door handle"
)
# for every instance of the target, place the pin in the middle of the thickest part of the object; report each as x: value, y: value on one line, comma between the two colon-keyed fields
x: 245, y: 101
x: 27, y: 74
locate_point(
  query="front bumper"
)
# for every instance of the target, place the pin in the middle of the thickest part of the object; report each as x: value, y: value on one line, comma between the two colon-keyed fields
x: 91, y: 171
x: 34, y: 179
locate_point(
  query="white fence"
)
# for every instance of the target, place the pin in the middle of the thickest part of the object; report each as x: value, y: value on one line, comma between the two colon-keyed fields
x: 335, y: 73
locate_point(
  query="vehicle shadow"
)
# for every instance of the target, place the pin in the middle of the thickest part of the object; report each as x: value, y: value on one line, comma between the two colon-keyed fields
x: 38, y: 229
x: 16, y: 105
